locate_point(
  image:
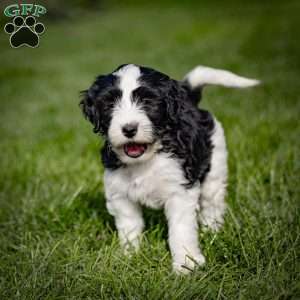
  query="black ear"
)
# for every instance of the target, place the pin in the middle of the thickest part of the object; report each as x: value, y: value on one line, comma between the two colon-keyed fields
x: 175, y: 101
x: 89, y: 102
x: 189, y: 134
x: 88, y: 108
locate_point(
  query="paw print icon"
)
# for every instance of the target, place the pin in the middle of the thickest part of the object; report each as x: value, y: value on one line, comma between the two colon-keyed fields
x: 24, y: 32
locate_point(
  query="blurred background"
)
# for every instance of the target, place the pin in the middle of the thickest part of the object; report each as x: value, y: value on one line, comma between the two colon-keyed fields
x: 53, y: 220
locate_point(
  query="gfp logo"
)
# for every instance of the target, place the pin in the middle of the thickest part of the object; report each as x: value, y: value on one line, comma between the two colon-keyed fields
x: 24, y: 30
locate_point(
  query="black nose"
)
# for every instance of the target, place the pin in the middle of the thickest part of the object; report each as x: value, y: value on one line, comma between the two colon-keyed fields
x: 130, y: 130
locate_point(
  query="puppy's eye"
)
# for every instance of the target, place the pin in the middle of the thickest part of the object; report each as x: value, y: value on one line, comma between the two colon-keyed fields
x: 108, y: 106
x: 114, y: 94
x: 110, y: 97
x: 108, y: 103
x: 108, y: 100
x: 147, y: 100
x: 144, y: 95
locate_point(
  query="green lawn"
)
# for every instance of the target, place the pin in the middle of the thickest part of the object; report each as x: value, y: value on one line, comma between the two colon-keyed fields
x: 57, y: 240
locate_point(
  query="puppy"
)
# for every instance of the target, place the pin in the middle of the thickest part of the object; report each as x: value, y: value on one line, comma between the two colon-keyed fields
x: 161, y: 151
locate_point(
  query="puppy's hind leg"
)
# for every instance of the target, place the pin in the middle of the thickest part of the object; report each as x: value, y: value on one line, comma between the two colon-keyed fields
x: 213, y: 207
x: 213, y: 189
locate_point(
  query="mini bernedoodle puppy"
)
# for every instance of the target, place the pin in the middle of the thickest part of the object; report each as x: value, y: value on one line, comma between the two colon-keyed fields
x: 162, y: 151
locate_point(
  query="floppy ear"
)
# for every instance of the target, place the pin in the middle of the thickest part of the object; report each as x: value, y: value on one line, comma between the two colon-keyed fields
x: 88, y: 108
x: 175, y: 102
x: 189, y: 134
x: 88, y: 105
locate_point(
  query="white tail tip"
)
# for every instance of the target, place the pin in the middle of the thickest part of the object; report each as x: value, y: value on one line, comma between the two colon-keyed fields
x: 201, y: 76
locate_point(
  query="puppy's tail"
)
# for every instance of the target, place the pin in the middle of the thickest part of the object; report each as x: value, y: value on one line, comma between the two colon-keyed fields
x: 202, y: 76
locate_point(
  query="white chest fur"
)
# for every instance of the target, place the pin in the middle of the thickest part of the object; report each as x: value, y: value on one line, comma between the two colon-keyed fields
x: 150, y: 183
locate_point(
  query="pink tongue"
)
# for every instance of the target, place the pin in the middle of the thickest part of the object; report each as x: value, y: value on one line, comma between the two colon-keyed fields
x: 135, y: 149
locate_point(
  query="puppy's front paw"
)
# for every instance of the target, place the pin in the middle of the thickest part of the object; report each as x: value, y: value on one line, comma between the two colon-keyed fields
x: 188, y: 264
x: 211, y: 219
x: 212, y: 224
x: 131, y: 247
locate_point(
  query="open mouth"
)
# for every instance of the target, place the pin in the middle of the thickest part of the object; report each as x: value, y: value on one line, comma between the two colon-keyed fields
x: 135, y: 150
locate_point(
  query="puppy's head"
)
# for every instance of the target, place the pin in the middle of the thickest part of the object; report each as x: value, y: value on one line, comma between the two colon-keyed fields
x: 130, y: 108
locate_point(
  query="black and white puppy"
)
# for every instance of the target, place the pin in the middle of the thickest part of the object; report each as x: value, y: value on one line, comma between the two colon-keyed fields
x: 161, y: 151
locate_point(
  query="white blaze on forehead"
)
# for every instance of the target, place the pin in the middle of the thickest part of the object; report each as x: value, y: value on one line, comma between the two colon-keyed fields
x: 127, y: 111
x: 128, y: 76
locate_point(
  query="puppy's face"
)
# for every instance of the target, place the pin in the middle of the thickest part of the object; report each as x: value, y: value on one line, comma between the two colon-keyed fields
x: 129, y: 108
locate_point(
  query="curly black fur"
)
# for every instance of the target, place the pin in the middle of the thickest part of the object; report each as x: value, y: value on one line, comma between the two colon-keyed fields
x: 186, y: 130
x: 109, y: 158
x: 98, y: 102
x: 183, y: 129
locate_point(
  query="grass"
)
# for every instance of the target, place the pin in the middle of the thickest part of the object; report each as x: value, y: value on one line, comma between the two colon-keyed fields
x: 57, y: 240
